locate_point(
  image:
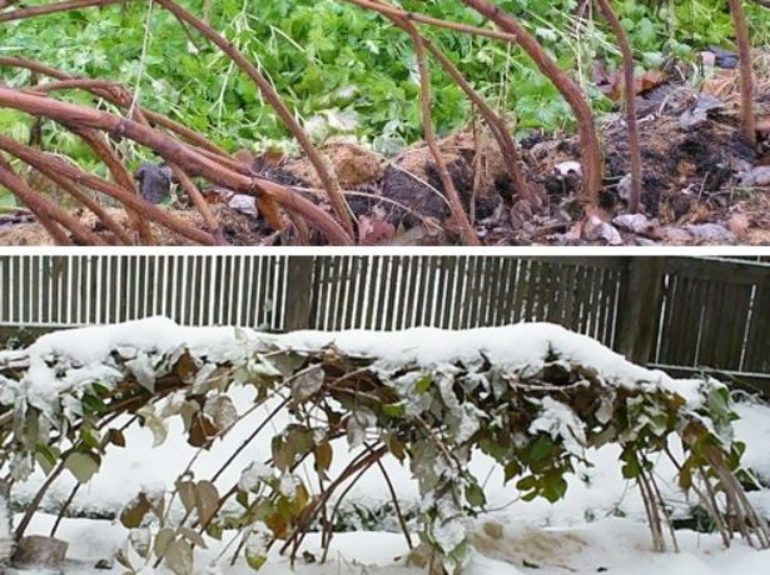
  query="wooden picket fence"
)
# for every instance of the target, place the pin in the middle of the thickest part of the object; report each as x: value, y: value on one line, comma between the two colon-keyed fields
x: 52, y: 291
x: 682, y: 313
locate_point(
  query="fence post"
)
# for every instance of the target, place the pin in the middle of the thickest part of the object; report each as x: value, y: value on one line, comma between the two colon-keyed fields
x: 639, y: 305
x: 299, y: 292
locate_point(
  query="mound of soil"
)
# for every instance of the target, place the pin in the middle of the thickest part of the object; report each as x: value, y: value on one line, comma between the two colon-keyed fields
x: 703, y: 184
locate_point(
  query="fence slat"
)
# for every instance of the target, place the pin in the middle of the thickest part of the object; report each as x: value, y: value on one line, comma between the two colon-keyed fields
x: 708, y: 312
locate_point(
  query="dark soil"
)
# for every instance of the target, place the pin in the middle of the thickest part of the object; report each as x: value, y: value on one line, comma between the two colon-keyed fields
x: 691, y: 191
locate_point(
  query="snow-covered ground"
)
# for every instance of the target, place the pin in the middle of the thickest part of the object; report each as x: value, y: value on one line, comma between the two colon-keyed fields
x: 614, y: 546
x: 598, y: 527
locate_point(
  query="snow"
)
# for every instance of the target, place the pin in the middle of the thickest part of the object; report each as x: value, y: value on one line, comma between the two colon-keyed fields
x: 581, y: 531
x: 616, y: 546
x: 599, y: 524
x: 522, y: 348
x: 558, y: 420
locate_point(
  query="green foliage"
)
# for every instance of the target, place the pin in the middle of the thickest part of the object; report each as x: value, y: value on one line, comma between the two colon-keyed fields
x: 327, y: 57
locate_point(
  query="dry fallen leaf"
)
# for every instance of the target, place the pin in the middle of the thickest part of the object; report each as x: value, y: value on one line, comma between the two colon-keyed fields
x: 373, y: 231
x: 738, y: 224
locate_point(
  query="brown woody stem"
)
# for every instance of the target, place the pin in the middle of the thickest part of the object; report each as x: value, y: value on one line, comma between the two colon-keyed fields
x: 748, y: 121
x: 589, y: 140
x: 634, y: 148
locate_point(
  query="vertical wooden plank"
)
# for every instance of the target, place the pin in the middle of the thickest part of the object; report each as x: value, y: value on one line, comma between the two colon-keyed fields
x: 419, y: 302
x: 670, y: 296
x: 603, y: 305
x: 218, y: 289
x: 711, y: 323
x: 512, y: 284
x: 482, y: 301
x: 188, y: 289
x: 324, y: 277
x: 128, y: 284
x: 254, y: 287
x: 248, y: 278
x: 142, y: 289
x: 381, y: 286
x: 54, y: 309
x: 346, y: 300
x: 757, y: 358
x: 533, y: 285
x: 312, y: 296
x: 89, y: 270
x: 299, y: 281
x: 41, y: 300
x: 743, y: 317
x: 588, y: 300
x: 151, y: 289
x: 168, y: 286
x: 63, y: 289
x: 689, y: 348
x: 544, y: 292
x: 372, y: 295
x: 474, y: 287
x: 576, y: 291
x: 363, y: 274
x: 488, y: 302
x: 553, y: 303
x: 734, y: 326
x: 641, y: 302
x: 195, y: 287
x: 265, y: 302
x: 469, y: 291
x: 159, y: 269
x: 725, y: 308
x: 433, y: 297
x: 522, y: 290
x: 177, y: 287
x: 75, y: 289
x: 235, y: 286
x: 25, y: 288
x: 384, y: 300
x: 16, y: 282
x: 348, y: 307
x: 278, y: 297
x: 205, y: 274
x: 683, y: 312
x: 339, y: 293
x: 448, y: 265
x: 5, y: 288
x: 459, y: 293
x: 395, y: 295
x: 410, y: 266
x: 332, y: 291
x: 420, y: 271
x: 105, y: 280
x: 567, y: 282
x: 236, y: 293
x: 620, y: 279
x: 222, y: 288
x: 507, y: 285
x: 494, y: 290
